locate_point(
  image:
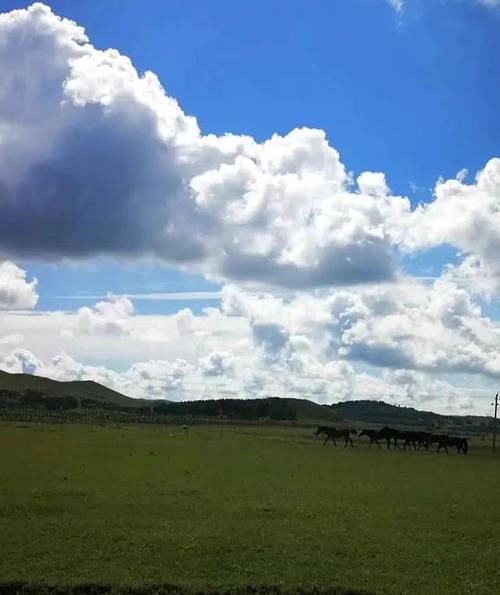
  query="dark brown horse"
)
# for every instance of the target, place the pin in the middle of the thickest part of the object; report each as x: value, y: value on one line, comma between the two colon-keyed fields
x: 374, y: 436
x: 461, y: 444
x: 332, y: 433
x: 389, y: 434
x: 409, y: 438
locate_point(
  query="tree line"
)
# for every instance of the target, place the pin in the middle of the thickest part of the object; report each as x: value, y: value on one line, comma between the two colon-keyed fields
x: 272, y: 408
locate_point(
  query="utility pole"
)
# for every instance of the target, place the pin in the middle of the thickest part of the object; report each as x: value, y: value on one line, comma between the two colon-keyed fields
x: 495, y: 423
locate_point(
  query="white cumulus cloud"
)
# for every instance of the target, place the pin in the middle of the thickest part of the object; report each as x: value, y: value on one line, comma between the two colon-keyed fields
x: 96, y: 158
x: 409, y: 343
x: 466, y: 216
x: 16, y: 291
x: 107, y: 317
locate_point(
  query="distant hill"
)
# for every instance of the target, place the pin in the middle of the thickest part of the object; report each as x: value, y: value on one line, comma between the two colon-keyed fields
x: 381, y: 413
x: 24, y: 391
x: 272, y: 408
x: 28, y: 391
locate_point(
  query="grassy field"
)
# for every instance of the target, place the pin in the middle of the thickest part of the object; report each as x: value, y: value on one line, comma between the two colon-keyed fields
x: 244, y: 506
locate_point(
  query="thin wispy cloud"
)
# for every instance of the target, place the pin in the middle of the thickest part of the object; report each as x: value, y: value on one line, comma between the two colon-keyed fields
x: 153, y: 296
x: 396, y: 4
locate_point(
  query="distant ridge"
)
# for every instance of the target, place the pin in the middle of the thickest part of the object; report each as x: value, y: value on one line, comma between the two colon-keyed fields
x: 381, y: 413
x: 54, y: 389
x: 21, y: 391
x: 25, y: 390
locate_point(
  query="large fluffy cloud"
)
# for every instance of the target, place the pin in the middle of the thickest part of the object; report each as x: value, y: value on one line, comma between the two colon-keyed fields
x: 98, y: 159
x: 15, y: 290
x: 463, y: 215
x: 437, y: 328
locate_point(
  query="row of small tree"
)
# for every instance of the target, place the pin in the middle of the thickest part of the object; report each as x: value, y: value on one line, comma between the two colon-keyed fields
x: 252, y: 409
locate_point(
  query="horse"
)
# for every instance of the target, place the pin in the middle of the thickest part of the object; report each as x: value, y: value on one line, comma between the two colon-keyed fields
x: 332, y: 433
x: 374, y: 435
x: 461, y: 444
x: 411, y: 439
x: 415, y: 439
x: 389, y: 434
x: 424, y: 440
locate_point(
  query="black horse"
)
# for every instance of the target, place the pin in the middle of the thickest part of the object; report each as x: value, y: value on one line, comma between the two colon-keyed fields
x: 461, y: 444
x: 424, y: 440
x: 332, y: 433
x: 373, y: 435
x: 389, y: 434
x: 410, y: 439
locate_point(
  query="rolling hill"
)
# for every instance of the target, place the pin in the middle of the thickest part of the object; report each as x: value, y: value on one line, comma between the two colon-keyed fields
x: 27, y: 391
x: 24, y: 390
x: 22, y: 384
x: 381, y: 413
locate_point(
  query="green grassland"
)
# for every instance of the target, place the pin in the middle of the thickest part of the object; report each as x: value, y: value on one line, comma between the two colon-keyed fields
x: 238, y: 505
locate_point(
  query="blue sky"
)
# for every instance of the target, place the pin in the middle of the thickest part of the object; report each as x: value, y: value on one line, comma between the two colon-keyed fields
x: 266, y: 245
x: 414, y: 94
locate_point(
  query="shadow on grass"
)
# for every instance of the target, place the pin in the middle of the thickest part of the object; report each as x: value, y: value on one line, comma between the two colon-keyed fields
x: 21, y: 588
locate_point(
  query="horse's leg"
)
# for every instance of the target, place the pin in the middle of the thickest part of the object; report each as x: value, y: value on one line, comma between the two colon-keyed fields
x: 378, y: 443
x: 371, y: 442
x: 346, y: 439
x: 334, y: 442
x: 325, y: 441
